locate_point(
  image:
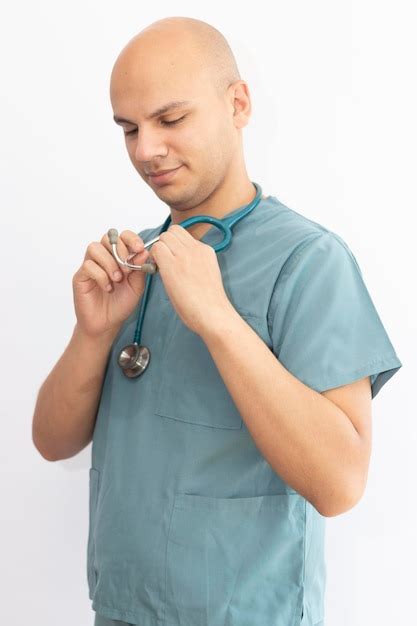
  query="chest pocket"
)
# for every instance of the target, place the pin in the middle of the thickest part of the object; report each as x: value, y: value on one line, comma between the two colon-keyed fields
x: 191, y: 388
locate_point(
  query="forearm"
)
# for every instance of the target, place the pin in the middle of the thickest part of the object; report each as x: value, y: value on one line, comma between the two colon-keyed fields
x: 308, y: 440
x: 67, y: 402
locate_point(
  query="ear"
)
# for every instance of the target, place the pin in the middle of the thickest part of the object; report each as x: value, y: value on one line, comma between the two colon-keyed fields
x: 241, y: 103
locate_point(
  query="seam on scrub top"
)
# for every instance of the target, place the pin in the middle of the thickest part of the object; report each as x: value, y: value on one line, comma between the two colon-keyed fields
x: 306, y: 509
x: 296, y: 253
x: 386, y: 358
x: 288, y: 208
x: 388, y: 361
x: 126, y: 613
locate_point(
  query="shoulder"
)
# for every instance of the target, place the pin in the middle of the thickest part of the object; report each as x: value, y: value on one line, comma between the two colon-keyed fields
x: 294, y: 237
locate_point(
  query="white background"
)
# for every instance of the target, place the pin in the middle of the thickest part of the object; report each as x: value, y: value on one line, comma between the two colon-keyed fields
x: 333, y: 136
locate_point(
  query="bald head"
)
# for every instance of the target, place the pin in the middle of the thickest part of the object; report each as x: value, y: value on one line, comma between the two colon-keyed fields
x: 176, y: 90
x: 182, y: 44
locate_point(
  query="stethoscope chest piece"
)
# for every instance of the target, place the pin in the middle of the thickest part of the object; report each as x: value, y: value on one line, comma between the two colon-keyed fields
x: 133, y: 360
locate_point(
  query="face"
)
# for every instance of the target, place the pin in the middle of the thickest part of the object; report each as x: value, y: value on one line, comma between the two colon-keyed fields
x: 197, y: 138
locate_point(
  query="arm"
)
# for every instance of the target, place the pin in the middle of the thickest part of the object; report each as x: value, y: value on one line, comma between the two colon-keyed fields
x: 67, y: 402
x: 306, y: 438
x: 66, y: 406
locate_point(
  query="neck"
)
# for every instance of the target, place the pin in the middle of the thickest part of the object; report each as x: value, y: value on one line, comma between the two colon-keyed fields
x: 223, y: 200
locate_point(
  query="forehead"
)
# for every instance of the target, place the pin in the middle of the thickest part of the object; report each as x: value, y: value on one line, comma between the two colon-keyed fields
x: 149, y: 78
x: 149, y: 98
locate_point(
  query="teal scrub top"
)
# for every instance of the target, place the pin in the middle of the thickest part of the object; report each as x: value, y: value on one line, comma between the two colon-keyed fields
x: 188, y: 524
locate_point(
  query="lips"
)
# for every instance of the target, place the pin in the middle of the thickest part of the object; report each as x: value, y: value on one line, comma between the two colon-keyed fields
x: 163, y: 176
x: 159, y: 172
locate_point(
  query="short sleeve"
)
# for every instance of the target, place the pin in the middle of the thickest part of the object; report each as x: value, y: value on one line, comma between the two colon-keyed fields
x: 322, y: 321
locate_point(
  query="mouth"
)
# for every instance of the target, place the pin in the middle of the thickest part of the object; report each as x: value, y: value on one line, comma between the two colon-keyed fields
x: 163, y: 176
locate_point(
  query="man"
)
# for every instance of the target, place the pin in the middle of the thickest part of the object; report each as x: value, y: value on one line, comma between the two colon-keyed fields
x: 213, y: 471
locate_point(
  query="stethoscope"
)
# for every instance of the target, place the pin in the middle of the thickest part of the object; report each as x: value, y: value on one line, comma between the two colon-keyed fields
x: 134, y: 358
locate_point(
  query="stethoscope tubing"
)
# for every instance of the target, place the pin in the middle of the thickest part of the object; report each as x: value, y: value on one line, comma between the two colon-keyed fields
x: 225, y: 225
x: 134, y: 358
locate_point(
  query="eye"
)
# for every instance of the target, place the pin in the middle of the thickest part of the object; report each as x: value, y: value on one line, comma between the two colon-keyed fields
x: 164, y: 122
x: 172, y: 121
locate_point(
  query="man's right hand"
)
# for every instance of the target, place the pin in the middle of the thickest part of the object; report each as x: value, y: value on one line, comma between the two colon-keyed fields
x: 102, y: 301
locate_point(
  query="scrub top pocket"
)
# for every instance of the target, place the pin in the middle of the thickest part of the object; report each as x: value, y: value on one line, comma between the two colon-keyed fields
x: 190, y: 386
x: 235, y: 561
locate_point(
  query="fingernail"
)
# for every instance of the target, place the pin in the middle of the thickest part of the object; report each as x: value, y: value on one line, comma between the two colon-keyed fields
x: 139, y: 246
x: 117, y: 275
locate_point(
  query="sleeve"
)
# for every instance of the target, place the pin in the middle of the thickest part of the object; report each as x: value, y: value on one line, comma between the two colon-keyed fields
x: 322, y: 321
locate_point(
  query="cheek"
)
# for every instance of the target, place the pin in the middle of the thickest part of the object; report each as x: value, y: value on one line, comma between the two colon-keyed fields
x: 131, y: 153
x: 191, y: 145
x: 207, y: 141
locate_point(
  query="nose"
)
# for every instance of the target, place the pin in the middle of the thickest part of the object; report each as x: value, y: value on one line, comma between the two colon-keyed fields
x: 149, y: 145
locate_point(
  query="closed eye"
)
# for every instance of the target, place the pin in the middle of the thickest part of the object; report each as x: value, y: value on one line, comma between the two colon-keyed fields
x: 164, y: 122
x: 172, y: 121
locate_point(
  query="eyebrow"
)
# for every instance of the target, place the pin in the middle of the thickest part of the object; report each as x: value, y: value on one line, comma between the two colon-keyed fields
x: 174, y: 104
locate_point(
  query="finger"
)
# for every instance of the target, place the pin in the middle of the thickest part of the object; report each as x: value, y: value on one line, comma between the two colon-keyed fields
x: 132, y: 241
x: 90, y: 270
x: 172, y: 241
x: 127, y: 243
x: 98, y: 253
x: 181, y: 233
x: 161, y: 249
x: 102, y: 256
x: 135, y: 248
x: 121, y: 251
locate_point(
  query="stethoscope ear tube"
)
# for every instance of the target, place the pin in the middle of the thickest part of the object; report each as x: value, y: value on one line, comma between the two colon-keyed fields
x: 149, y: 268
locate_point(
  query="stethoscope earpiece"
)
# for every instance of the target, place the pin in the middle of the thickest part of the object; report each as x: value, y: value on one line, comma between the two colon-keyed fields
x: 149, y: 267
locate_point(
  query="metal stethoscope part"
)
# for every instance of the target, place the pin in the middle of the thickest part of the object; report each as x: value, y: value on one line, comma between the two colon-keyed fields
x: 149, y: 267
x: 134, y: 359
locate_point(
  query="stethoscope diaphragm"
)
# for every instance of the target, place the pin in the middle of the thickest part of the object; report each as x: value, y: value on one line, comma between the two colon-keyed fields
x: 133, y: 360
